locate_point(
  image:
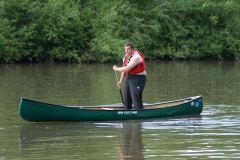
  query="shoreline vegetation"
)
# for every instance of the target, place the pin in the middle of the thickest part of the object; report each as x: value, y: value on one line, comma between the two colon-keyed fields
x: 96, y: 31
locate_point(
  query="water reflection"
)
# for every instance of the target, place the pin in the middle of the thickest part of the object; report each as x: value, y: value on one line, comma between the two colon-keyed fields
x: 189, y: 123
x: 37, y: 139
x: 131, y: 146
x: 105, y: 140
x: 121, y: 140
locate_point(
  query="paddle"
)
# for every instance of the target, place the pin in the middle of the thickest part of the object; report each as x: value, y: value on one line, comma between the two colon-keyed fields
x: 119, y: 88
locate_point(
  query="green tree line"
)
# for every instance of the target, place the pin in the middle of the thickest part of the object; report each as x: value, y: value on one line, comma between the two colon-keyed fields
x: 96, y: 30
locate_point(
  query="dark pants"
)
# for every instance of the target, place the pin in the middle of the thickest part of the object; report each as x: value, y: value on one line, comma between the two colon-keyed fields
x: 133, y: 89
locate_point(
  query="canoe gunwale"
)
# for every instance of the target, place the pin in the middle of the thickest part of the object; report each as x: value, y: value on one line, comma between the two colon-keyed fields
x: 101, y: 107
x: 181, y: 101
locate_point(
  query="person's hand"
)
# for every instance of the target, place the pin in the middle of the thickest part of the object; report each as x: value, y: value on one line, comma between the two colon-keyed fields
x: 115, y: 67
x: 119, y: 84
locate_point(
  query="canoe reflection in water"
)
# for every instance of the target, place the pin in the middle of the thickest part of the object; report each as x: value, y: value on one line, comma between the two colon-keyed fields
x: 86, y: 140
x: 108, y: 140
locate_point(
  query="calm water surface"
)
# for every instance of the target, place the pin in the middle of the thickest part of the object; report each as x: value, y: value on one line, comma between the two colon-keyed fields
x: 213, y: 135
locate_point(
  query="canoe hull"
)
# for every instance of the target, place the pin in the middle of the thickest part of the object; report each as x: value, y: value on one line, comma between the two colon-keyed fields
x: 34, y: 111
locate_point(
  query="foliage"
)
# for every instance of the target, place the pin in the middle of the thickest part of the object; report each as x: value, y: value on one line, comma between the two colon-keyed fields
x: 41, y: 30
x: 96, y: 30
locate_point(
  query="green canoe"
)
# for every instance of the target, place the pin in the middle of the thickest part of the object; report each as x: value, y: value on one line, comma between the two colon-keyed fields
x: 35, y: 111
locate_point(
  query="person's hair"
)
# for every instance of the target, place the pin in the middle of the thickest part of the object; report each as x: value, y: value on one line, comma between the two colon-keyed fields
x: 129, y: 44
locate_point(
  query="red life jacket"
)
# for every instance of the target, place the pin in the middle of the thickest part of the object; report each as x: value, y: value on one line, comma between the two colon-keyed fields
x: 138, y: 68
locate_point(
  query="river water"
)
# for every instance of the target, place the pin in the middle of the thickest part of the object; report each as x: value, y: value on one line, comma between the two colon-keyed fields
x: 215, y: 134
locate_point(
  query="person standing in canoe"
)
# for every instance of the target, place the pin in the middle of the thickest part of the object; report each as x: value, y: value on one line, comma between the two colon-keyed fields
x: 134, y: 73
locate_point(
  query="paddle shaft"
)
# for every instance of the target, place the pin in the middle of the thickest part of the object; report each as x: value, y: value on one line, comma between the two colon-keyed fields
x: 119, y: 87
